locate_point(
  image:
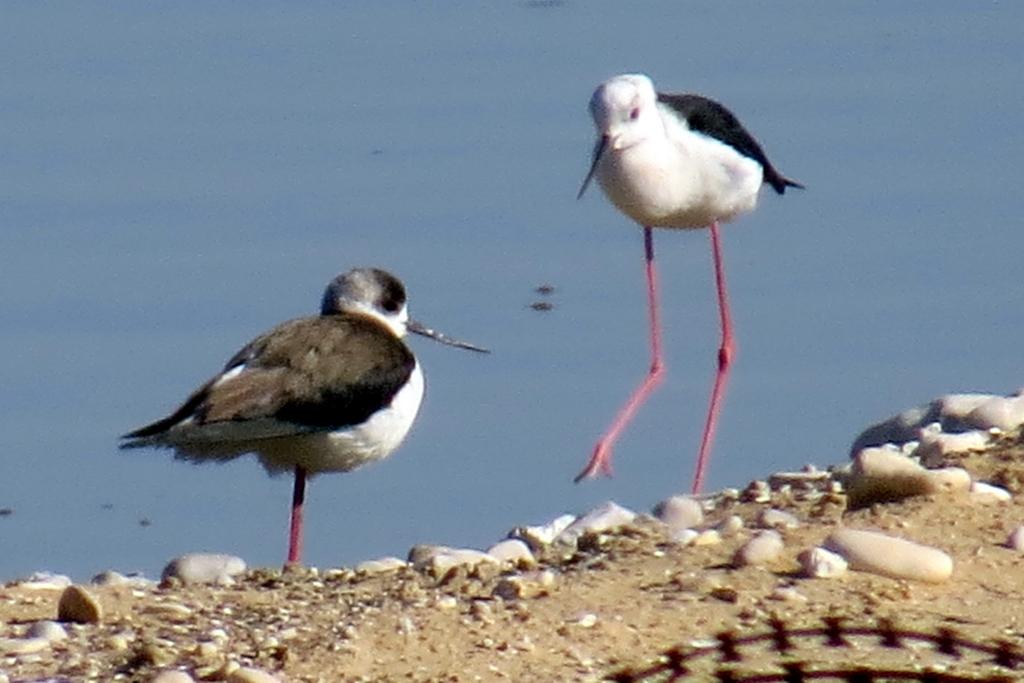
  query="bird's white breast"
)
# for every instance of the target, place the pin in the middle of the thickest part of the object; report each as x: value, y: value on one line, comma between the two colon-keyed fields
x: 346, y: 449
x: 680, y: 179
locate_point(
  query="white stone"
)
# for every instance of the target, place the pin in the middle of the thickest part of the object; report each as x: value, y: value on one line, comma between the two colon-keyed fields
x: 818, y: 563
x: 381, y: 565
x: 683, y: 537
x: 982, y: 490
x: 543, y: 534
x: 23, y: 646
x: 770, y: 518
x: 680, y: 512
x: 606, y: 517
x: 513, y: 551
x: 765, y: 547
x: 249, y: 675
x: 880, y: 475
x: 1015, y: 541
x: 707, y: 537
x: 172, y: 677
x: 50, y: 630
x: 204, y: 568
x: 444, y: 559
x: 999, y: 412
x: 933, y: 447
x: 43, y: 581
x: 729, y: 527
x: 878, y: 553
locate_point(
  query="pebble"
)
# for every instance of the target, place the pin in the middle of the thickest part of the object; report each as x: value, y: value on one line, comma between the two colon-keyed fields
x: 513, y: 551
x: 707, y: 537
x: 79, y: 606
x: 1015, y: 541
x: 112, y: 578
x: 999, y: 412
x: 381, y: 565
x: 249, y: 675
x: 204, y: 568
x: 765, y: 547
x: 439, y: 559
x: 683, y: 537
x: 935, y: 446
x: 172, y: 677
x: 23, y: 646
x: 881, y: 475
x: 543, y: 534
x: 989, y: 491
x: 878, y: 553
x: 787, y: 594
x: 606, y: 517
x: 770, y: 518
x: 50, y: 630
x: 729, y: 527
x: 818, y: 563
x: 679, y: 512
x: 45, y: 581
x: 757, y: 491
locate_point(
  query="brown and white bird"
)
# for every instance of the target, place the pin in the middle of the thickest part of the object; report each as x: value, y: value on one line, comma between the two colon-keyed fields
x: 674, y: 161
x: 327, y: 393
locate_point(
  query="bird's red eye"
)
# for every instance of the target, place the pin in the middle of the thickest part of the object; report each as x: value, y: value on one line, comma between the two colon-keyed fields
x: 634, y: 113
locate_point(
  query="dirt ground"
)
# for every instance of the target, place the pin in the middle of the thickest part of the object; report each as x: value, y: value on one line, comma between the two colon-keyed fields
x: 609, y: 609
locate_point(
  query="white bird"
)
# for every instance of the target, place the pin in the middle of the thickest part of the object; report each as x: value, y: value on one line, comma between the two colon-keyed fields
x: 327, y: 393
x: 674, y: 161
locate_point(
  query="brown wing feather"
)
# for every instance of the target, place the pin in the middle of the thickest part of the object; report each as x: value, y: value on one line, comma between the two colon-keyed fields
x: 318, y: 373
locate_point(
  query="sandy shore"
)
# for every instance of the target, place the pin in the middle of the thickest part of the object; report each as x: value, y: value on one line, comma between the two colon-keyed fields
x: 609, y: 607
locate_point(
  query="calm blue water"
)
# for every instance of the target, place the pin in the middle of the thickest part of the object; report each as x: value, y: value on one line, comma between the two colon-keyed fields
x: 176, y: 178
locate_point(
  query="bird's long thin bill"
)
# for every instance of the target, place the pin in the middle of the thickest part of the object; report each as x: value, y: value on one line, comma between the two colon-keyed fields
x: 598, y: 151
x: 421, y: 329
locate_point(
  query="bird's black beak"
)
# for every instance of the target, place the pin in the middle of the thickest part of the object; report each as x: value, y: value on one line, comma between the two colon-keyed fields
x: 421, y: 329
x: 598, y: 151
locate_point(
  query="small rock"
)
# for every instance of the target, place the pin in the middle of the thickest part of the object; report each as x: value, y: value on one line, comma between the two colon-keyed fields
x: 544, y: 534
x: 172, y: 677
x: 898, y: 429
x: 999, y: 412
x: 439, y: 560
x: 586, y: 620
x: 881, y: 475
x: 934, y: 447
x: 603, y: 518
x: 787, y: 594
x: 79, y: 606
x: 23, y: 646
x: 729, y: 527
x: 381, y: 565
x: 50, y: 630
x: 707, y: 537
x: 683, y: 537
x: 249, y: 675
x: 1015, y: 541
x: 877, y: 553
x: 513, y: 551
x: 45, y: 581
x: 679, y: 512
x: 763, y: 548
x: 770, y: 518
x: 996, y: 493
x: 818, y: 563
x: 204, y: 568
x: 757, y: 491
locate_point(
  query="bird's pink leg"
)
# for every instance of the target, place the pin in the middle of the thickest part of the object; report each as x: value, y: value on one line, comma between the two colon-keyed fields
x: 295, y: 533
x: 601, y: 460
x: 725, y: 355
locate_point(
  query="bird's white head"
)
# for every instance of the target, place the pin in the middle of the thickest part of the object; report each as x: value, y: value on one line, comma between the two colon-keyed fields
x: 624, y: 109
x: 368, y: 291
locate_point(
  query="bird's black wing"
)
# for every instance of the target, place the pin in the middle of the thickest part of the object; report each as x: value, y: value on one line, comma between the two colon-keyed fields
x: 714, y: 120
